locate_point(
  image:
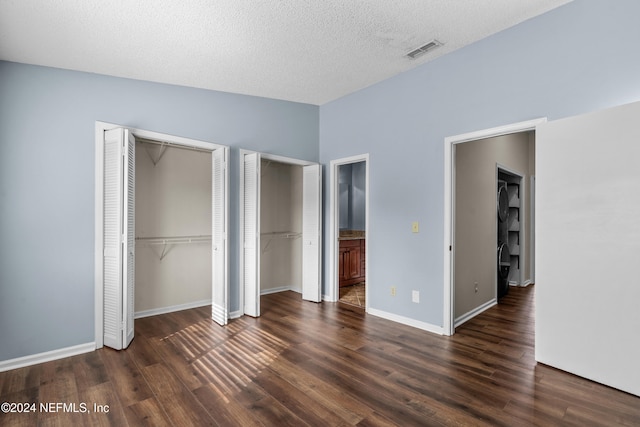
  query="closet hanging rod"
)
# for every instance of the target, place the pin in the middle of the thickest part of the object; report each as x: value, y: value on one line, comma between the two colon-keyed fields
x: 278, y: 235
x: 171, y: 144
x: 173, y: 240
x: 282, y: 234
x: 168, y: 243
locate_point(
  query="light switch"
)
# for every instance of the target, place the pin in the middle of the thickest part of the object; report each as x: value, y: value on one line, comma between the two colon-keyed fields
x: 415, y: 227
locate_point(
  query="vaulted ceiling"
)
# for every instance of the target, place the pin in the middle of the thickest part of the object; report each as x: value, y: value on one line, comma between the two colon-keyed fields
x: 310, y: 51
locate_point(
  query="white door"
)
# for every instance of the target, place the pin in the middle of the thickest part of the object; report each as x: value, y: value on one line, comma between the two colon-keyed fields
x: 250, y: 212
x: 219, y: 282
x: 311, y: 232
x: 119, y: 237
x: 588, y: 246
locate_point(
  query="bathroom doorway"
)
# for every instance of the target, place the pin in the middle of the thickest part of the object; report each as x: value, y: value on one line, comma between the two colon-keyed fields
x: 350, y: 229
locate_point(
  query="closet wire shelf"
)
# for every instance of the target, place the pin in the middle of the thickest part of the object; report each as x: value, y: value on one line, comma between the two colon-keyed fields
x: 168, y: 242
x: 279, y: 235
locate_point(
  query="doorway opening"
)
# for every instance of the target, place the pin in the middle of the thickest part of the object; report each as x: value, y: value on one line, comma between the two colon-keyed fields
x: 349, y: 225
x: 471, y: 270
x: 115, y: 230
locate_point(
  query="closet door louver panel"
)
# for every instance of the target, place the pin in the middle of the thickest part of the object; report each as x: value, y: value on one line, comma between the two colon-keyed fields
x: 251, y: 234
x: 311, y: 228
x: 112, y: 262
x: 219, y: 292
x: 118, y: 262
x: 129, y: 237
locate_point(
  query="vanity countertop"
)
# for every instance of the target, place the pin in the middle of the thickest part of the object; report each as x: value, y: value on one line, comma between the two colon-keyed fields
x: 351, y: 235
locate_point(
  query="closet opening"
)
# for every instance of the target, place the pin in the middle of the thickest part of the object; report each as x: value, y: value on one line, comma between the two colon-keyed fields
x: 280, y: 228
x: 161, y: 229
x: 173, y: 207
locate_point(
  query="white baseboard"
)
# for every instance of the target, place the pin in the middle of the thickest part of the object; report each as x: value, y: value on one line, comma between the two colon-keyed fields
x: 47, y: 356
x: 275, y: 290
x: 473, y: 313
x: 407, y: 321
x: 521, y: 285
x: 236, y: 314
x: 171, y: 309
x: 279, y: 289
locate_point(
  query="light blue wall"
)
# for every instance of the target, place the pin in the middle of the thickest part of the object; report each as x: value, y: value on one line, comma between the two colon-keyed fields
x: 578, y: 58
x: 47, y: 119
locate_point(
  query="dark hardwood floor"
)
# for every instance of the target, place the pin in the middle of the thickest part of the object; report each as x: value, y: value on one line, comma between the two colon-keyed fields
x: 317, y: 364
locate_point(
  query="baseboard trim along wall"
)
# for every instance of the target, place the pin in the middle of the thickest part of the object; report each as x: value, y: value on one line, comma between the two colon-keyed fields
x: 473, y: 313
x: 235, y: 314
x: 47, y: 356
x: 407, y: 321
x: 278, y: 289
x: 171, y: 309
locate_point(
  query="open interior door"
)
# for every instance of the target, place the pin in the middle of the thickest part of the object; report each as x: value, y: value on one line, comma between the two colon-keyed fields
x: 588, y: 246
x: 250, y: 212
x: 119, y: 237
x: 219, y: 281
x: 311, y: 232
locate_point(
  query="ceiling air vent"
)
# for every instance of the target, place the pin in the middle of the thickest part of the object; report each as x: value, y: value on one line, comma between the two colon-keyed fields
x: 424, y: 49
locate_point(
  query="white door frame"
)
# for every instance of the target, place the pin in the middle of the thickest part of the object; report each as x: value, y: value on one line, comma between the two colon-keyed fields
x: 532, y: 232
x: 449, y: 206
x: 100, y: 127
x: 334, y: 226
x: 274, y: 158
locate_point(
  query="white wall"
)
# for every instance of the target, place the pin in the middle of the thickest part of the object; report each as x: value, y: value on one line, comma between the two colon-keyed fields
x: 173, y: 199
x: 588, y: 246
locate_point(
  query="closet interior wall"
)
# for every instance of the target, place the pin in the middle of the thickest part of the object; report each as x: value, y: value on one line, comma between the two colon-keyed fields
x: 173, y: 201
x: 280, y: 227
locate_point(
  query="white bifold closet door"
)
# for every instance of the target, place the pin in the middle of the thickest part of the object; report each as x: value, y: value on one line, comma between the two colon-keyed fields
x: 251, y: 234
x: 119, y: 237
x: 311, y: 229
x: 311, y: 233
x: 219, y: 291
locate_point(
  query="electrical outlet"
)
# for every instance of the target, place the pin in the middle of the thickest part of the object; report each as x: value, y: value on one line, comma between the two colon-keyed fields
x: 476, y: 287
x: 415, y: 227
x: 393, y: 291
x: 415, y: 296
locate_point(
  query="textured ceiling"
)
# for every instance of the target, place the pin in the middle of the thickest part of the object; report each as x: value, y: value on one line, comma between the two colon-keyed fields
x: 310, y: 51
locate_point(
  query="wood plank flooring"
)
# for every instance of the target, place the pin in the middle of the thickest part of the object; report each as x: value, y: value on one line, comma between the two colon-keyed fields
x: 324, y: 364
